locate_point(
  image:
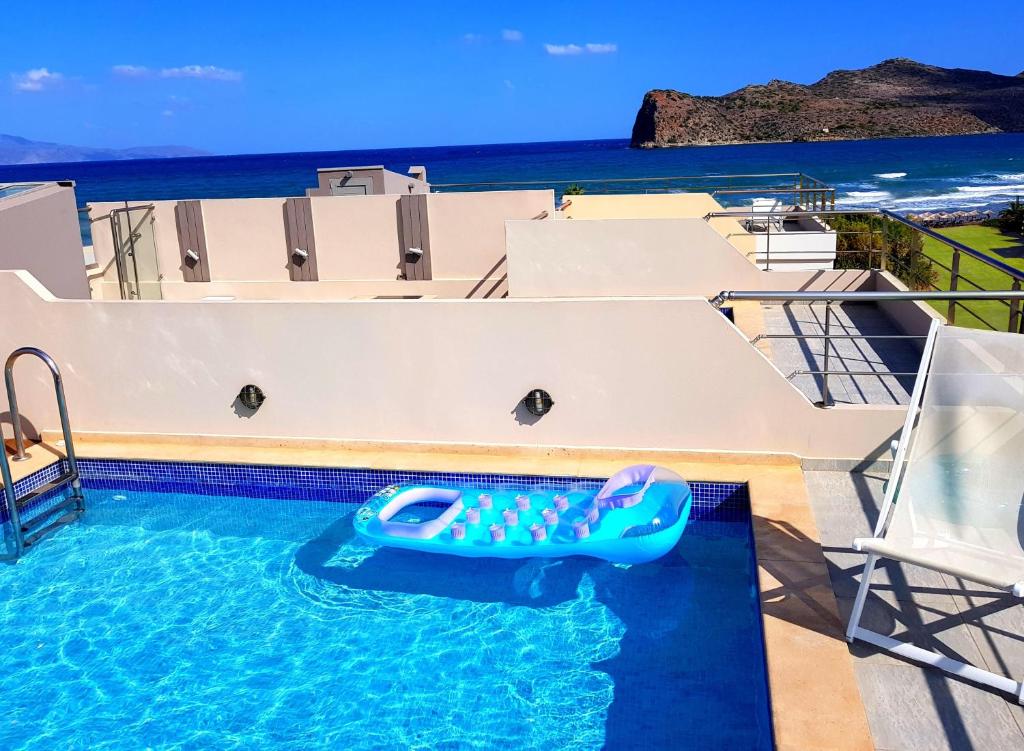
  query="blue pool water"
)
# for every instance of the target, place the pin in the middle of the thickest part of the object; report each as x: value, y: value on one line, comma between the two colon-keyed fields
x: 184, y: 620
x: 13, y: 190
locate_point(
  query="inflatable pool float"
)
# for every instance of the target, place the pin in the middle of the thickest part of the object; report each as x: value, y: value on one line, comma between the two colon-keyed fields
x: 637, y: 516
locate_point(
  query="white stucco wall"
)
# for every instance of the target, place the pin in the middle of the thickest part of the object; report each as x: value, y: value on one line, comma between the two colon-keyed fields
x: 357, y: 240
x: 39, y: 232
x: 644, y: 257
x: 626, y: 373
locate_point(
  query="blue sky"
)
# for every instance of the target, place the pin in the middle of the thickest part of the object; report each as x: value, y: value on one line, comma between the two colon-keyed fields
x: 261, y: 76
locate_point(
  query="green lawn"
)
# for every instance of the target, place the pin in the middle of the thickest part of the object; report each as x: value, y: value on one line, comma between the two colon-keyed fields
x: 989, y: 240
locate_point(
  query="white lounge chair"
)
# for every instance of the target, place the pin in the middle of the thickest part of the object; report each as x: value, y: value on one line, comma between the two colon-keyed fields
x: 955, y: 498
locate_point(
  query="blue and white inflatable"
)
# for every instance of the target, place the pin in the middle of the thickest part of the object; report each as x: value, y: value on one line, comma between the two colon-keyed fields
x: 638, y: 516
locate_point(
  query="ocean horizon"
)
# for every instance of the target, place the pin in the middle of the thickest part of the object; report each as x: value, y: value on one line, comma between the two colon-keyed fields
x: 978, y: 172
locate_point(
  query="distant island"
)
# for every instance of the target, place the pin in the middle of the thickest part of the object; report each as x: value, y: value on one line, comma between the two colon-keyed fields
x: 895, y: 98
x: 17, y: 150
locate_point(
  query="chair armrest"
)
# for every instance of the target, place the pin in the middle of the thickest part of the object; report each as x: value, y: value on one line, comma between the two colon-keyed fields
x: 862, y: 543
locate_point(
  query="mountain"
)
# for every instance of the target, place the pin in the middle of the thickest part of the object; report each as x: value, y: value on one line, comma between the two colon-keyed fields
x: 17, y: 150
x: 898, y: 97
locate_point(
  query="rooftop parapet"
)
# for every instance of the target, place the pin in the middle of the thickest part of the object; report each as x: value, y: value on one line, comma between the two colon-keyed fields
x: 369, y: 180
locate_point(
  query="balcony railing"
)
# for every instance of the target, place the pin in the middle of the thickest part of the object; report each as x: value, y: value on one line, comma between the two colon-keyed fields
x: 828, y: 337
x: 794, y: 188
x: 881, y: 257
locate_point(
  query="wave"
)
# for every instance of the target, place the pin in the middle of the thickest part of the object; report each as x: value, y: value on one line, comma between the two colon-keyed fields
x: 869, y: 195
x: 982, y: 198
x: 977, y: 192
x: 890, y: 175
x: 984, y: 190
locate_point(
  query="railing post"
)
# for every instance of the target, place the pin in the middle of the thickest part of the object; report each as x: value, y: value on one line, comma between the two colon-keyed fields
x: 12, y: 401
x: 768, y: 243
x: 826, y: 397
x: 1015, y: 322
x: 954, y: 279
x: 883, y: 263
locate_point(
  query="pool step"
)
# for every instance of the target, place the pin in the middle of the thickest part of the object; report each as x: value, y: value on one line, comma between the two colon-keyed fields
x: 60, y: 522
x: 63, y: 479
x: 28, y: 525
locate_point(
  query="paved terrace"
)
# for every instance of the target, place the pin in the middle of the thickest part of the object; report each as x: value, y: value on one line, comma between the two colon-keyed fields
x: 910, y: 707
x: 851, y: 355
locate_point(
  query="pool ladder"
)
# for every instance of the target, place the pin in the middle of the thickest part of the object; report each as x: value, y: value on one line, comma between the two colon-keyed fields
x: 27, y: 532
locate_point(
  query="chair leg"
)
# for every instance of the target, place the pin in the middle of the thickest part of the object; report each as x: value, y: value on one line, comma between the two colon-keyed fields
x: 862, y: 596
x: 912, y: 652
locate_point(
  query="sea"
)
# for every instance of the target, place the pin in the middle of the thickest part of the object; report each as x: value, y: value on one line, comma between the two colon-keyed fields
x: 981, y: 172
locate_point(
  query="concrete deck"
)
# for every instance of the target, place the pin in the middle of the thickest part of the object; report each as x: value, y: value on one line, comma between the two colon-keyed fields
x: 910, y: 707
x: 850, y: 355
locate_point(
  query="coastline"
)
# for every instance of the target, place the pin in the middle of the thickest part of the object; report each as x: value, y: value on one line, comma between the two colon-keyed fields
x: 650, y: 146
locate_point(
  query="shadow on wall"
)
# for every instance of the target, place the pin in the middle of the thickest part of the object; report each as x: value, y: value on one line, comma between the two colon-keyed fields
x: 30, y: 431
x: 852, y: 283
x: 492, y: 281
x: 241, y: 410
x: 523, y: 415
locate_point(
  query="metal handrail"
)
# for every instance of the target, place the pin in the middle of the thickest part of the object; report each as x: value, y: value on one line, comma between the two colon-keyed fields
x: 1012, y: 272
x: 19, y: 442
x: 801, y: 296
x: 119, y: 248
x: 590, y: 180
x: 12, y: 401
x: 832, y: 297
x: 780, y: 189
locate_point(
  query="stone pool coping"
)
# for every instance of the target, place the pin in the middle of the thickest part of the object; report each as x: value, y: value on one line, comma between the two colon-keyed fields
x: 815, y: 699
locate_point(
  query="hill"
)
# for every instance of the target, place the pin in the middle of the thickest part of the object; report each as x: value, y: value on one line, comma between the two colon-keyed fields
x: 898, y: 97
x: 18, y: 150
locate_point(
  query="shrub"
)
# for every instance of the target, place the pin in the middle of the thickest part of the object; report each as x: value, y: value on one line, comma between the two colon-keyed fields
x: 574, y: 190
x: 861, y: 241
x: 1011, y: 219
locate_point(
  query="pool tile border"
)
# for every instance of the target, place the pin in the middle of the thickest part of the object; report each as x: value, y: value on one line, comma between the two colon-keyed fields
x: 712, y: 501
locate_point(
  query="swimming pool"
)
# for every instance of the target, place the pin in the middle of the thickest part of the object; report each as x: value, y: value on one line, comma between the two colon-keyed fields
x: 13, y: 189
x: 213, y: 606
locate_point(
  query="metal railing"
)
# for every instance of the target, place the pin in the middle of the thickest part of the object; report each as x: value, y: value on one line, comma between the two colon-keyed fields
x: 829, y: 298
x: 26, y: 533
x: 885, y: 257
x: 803, y: 190
x: 761, y: 221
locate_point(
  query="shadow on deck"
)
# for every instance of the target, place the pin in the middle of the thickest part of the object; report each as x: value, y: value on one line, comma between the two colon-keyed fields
x: 882, y: 356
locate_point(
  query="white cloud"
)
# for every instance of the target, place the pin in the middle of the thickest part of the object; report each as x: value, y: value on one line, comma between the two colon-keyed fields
x: 168, y: 113
x: 205, y: 72
x: 131, y: 71
x: 36, y: 79
x: 512, y: 35
x: 472, y: 38
x: 591, y: 48
x: 563, y: 49
x: 509, y: 84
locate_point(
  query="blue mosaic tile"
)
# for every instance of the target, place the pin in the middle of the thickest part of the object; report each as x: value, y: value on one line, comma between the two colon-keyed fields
x: 31, y: 482
x: 712, y: 501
